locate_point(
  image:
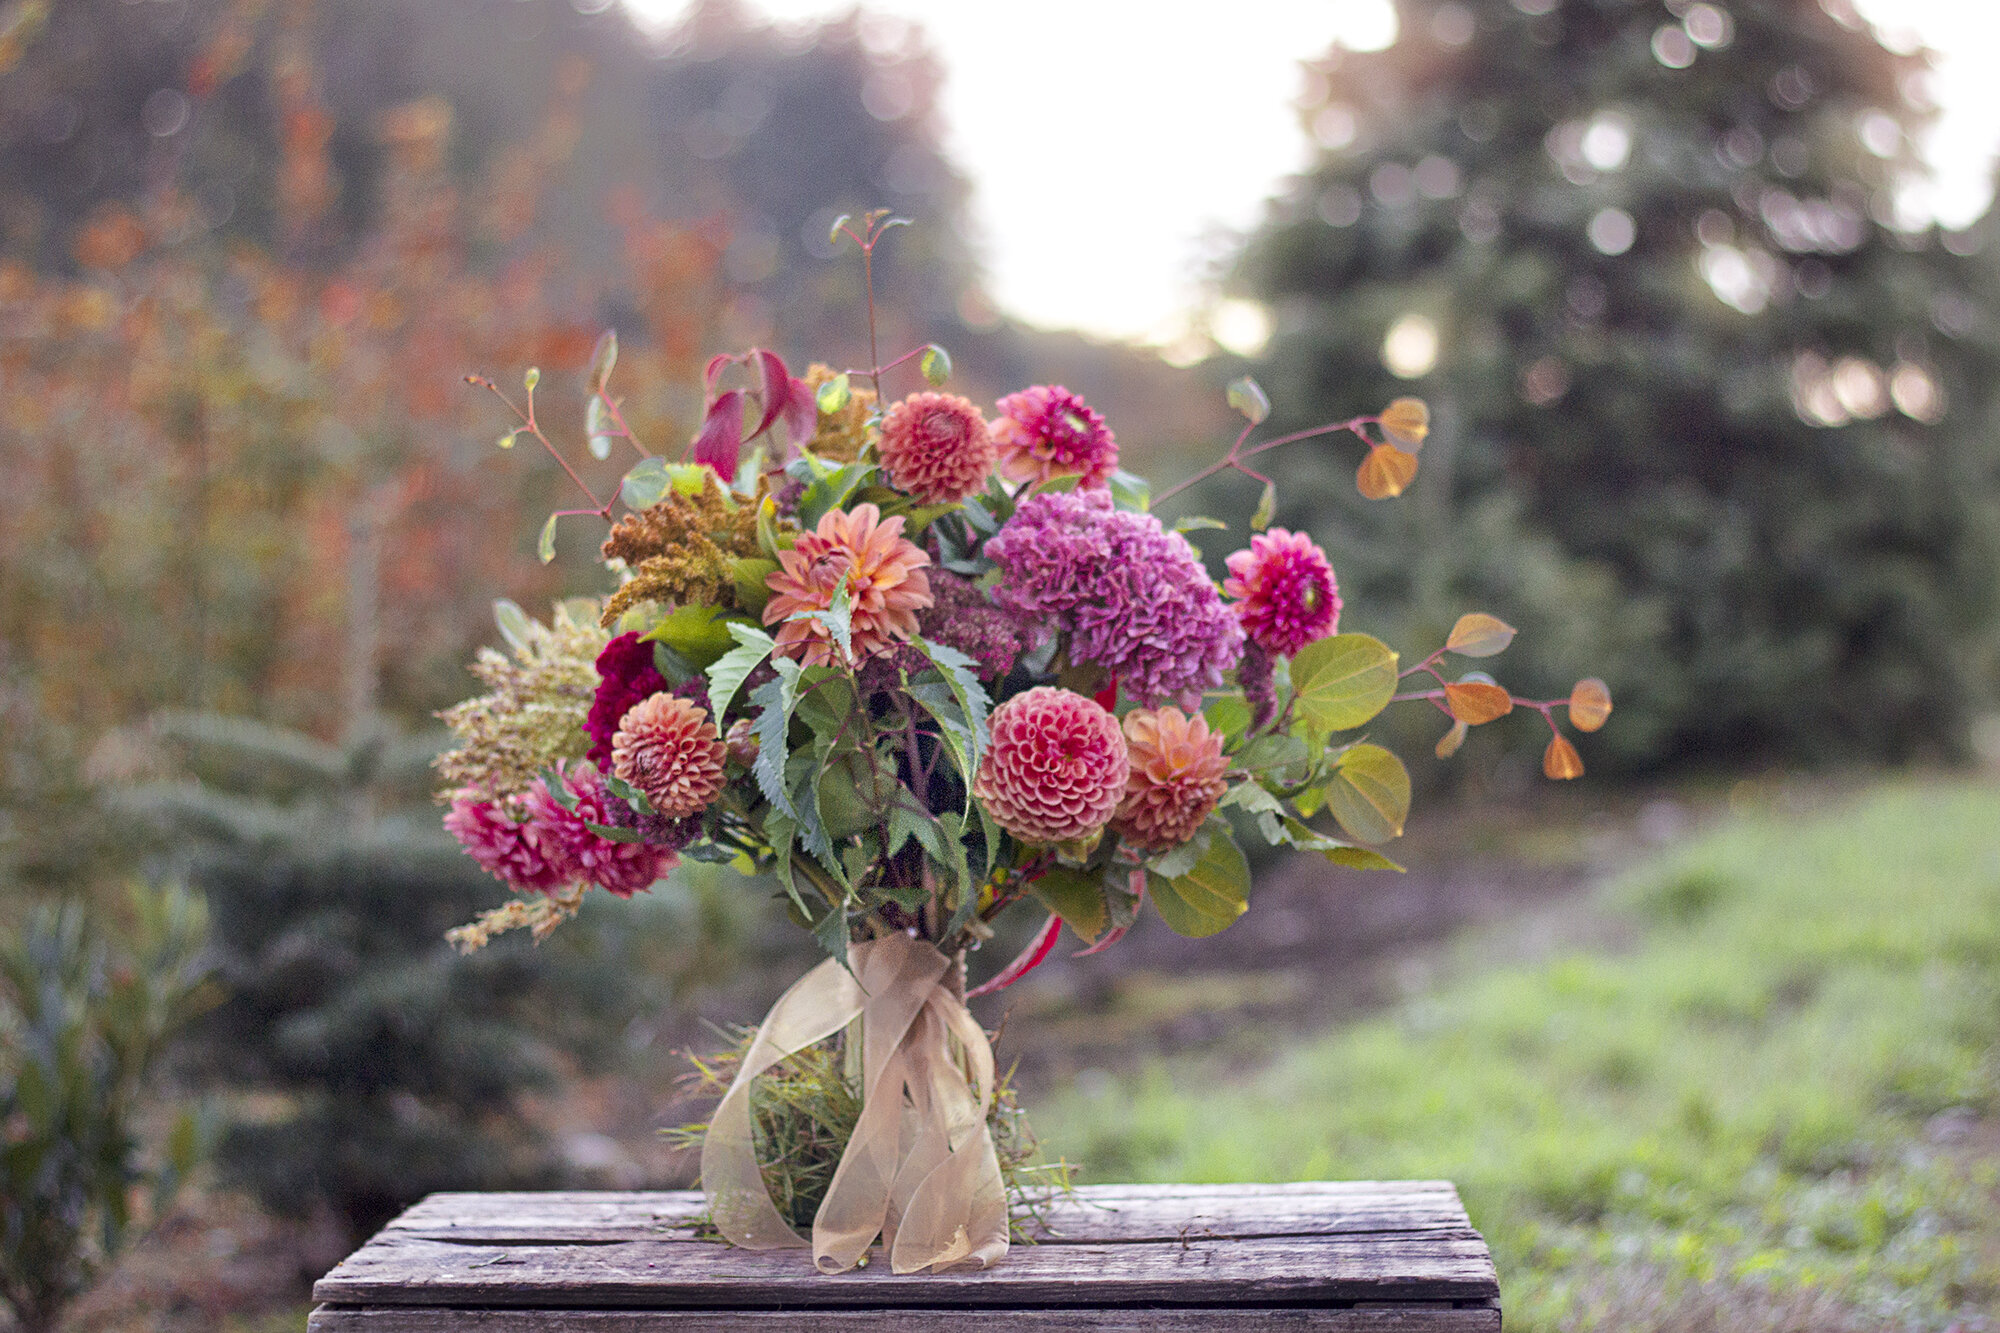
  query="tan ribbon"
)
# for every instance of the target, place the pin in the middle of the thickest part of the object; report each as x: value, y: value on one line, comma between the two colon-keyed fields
x: 920, y: 1170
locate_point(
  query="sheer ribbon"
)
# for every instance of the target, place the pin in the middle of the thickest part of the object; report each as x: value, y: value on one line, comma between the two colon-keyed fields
x: 920, y: 1170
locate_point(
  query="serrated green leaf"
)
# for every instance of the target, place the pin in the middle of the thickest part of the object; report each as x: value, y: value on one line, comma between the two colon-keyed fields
x: 935, y: 364
x: 1076, y: 897
x: 838, y: 618
x: 775, y: 700
x: 1248, y: 397
x: 961, y: 675
x: 831, y: 932
x: 515, y: 626
x: 1340, y: 683
x: 1370, y: 794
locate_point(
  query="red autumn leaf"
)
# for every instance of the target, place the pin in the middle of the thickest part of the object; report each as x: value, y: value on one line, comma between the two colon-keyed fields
x: 801, y: 414
x: 774, y: 383
x: 713, y: 370
x: 720, y: 441
x: 1030, y: 958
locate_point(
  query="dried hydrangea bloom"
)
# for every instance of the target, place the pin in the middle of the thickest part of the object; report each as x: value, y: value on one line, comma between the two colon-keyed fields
x: 1133, y: 596
x: 1056, y: 767
x: 936, y: 447
x: 881, y: 570
x: 1285, y: 590
x: 1176, y: 778
x: 668, y: 749
x: 532, y: 715
x: 1047, y: 431
x: 623, y: 868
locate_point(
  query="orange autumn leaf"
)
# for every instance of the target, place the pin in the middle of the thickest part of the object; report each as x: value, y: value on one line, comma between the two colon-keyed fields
x: 1475, y: 702
x: 1479, y: 635
x: 1385, y: 472
x: 1448, y: 743
x: 1589, y: 704
x: 1406, y: 421
x: 1561, y: 761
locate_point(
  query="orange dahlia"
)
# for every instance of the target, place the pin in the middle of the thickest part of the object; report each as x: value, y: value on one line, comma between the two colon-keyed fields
x: 1176, y: 778
x: 1056, y: 766
x: 668, y: 749
x: 882, y: 571
x: 936, y: 447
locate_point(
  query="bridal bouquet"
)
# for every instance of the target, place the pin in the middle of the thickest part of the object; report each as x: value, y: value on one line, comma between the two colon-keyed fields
x: 920, y: 665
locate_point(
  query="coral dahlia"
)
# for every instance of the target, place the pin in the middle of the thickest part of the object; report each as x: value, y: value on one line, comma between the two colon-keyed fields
x: 1176, y: 779
x: 936, y: 447
x: 1286, y: 592
x: 1047, y: 431
x: 1056, y: 767
x: 882, y: 571
x: 668, y: 749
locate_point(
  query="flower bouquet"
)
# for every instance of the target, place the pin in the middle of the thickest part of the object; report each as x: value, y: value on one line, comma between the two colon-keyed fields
x: 921, y: 667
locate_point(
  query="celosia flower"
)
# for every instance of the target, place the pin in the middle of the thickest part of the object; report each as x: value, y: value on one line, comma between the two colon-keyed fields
x: 882, y: 572
x: 963, y: 618
x: 1047, y: 431
x: 668, y: 749
x: 625, y: 674
x: 1133, y: 596
x: 1286, y: 592
x: 1055, y: 769
x: 521, y: 852
x: 1176, y: 779
x: 936, y: 447
x: 533, y: 713
x: 622, y: 868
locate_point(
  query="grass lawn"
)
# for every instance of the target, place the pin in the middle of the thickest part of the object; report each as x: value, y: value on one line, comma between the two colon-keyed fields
x: 1778, y: 1107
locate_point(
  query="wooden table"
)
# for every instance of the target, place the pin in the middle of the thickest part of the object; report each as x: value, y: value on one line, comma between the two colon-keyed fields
x: 1393, y: 1257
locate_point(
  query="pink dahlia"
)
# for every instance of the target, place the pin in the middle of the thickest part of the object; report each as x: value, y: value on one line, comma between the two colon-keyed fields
x: 625, y: 675
x: 936, y: 447
x: 1176, y: 779
x: 1056, y: 767
x: 521, y: 852
x: 668, y: 749
x: 882, y: 571
x: 1047, y: 431
x: 622, y: 868
x: 1286, y: 593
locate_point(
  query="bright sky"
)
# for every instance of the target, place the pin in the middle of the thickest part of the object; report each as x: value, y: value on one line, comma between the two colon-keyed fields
x: 1113, y: 145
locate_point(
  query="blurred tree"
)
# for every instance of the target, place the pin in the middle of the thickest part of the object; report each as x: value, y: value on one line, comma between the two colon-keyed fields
x: 84, y: 1016
x: 1697, y: 384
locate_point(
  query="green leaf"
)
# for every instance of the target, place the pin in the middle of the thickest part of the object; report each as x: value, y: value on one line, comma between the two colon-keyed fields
x: 1227, y: 713
x: 597, y: 425
x: 838, y: 619
x: 532, y: 378
x: 1210, y: 896
x: 646, y: 484
x: 1076, y: 897
x: 602, y: 358
x: 1479, y: 635
x: 1267, y: 507
x: 1196, y: 522
x: 749, y: 574
x: 850, y: 789
x: 775, y: 699
x: 905, y: 822
x: 826, y: 700
x: 701, y: 634
x: 612, y: 833
x: 1252, y: 798
x: 559, y: 790
x: 833, y: 395
x: 936, y: 365
x: 830, y: 491
x: 1177, y: 862
x: 831, y: 932
x: 1360, y: 858
x: 1370, y: 794
x: 1342, y: 682
x: 781, y: 831
x: 1130, y: 492
x: 545, y: 545
x: 833, y: 232
x: 515, y: 626
x: 1269, y: 754
x: 1248, y: 397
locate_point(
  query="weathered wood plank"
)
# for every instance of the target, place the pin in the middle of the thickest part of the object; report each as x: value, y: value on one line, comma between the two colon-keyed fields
x: 1413, y: 1319
x: 417, y: 1271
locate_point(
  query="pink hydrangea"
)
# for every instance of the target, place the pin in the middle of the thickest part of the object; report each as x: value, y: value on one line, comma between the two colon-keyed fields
x: 1056, y: 767
x: 622, y: 868
x: 1047, y: 431
x: 1285, y: 591
x: 1133, y: 596
x: 521, y: 852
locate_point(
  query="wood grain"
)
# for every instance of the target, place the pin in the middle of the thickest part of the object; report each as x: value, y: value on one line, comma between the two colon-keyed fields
x: 412, y: 1319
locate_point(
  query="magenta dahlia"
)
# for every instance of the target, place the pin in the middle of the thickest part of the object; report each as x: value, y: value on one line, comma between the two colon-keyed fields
x: 625, y: 675
x: 622, y: 868
x: 1056, y: 767
x: 1047, y: 431
x: 521, y: 852
x: 936, y: 447
x: 1285, y: 591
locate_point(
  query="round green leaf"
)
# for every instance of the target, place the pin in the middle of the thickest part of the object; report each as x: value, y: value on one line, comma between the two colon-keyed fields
x: 1210, y: 896
x: 1342, y: 682
x: 1370, y: 794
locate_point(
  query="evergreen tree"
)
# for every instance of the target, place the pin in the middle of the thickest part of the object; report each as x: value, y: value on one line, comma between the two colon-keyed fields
x: 1679, y: 345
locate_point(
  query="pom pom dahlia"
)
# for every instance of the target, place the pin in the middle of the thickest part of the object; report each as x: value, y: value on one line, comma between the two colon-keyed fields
x: 936, y: 447
x: 1047, y: 431
x: 1286, y: 592
x: 622, y: 868
x: 625, y: 674
x: 520, y: 852
x: 1133, y: 596
x: 668, y: 749
x: 1176, y: 779
x: 1056, y: 767
x: 882, y: 571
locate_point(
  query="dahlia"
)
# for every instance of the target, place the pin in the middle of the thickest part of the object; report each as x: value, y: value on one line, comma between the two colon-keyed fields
x: 668, y: 749
x: 1133, y: 596
x: 1055, y: 768
x: 622, y: 868
x: 882, y: 571
x: 1286, y: 592
x: 625, y: 675
x: 1176, y: 779
x: 1047, y: 431
x: 936, y: 447
x: 520, y: 852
